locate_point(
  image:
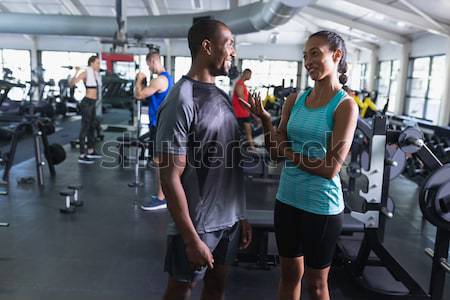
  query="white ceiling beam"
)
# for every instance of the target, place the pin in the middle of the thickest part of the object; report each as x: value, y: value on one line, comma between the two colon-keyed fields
x: 365, y: 45
x: 147, y: 7
x: 150, y: 6
x: 3, y: 8
x: 403, y: 16
x: 425, y: 16
x: 346, y: 34
x: 35, y: 8
x: 321, y: 13
x: 70, y: 7
x: 163, y: 7
x: 311, y: 27
x: 196, y: 7
x: 233, y: 4
x: 75, y: 7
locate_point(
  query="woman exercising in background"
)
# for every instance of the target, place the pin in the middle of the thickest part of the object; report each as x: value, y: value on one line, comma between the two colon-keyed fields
x: 93, y: 81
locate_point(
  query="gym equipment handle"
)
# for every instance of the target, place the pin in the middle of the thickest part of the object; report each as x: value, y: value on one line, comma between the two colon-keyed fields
x: 443, y: 262
x: 387, y: 213
x: 416, y: 142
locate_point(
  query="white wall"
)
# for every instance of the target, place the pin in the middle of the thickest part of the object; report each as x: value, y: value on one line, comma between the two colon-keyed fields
x: 421, y: 45
x: 389, y: 51
x: 282, y: 52
x: 365, y: 56
x: 16, y: 41
x: 429, y: 44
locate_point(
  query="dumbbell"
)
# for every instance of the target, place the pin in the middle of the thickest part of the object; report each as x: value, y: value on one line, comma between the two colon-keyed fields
x: 68, y: 209
x: 75, y: 188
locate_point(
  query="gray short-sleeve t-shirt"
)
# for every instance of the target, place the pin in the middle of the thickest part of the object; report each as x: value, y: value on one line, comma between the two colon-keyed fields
x: 197, y: 120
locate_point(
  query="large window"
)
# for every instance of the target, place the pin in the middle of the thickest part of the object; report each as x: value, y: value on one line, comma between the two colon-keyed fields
x: 19, y: 63
x: 59, y: 65
x: 387, y: 83
x: 358, y: 77
x: 270, y: 72
x: 182, y: 66
x: 425, y: 87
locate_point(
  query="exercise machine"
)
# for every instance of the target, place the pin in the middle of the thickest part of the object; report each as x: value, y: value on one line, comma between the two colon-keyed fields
x: 369, y: 268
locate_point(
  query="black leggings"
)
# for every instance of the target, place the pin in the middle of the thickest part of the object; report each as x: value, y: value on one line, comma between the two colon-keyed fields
x: 88, y: 123
x: 300, y: 233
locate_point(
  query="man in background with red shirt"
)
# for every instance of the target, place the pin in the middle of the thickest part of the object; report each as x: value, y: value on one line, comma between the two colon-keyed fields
x: 242, y: 114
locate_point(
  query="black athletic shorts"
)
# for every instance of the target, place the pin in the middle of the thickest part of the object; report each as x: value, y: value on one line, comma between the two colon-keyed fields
x: 300, y: 233
x: 224, y: 245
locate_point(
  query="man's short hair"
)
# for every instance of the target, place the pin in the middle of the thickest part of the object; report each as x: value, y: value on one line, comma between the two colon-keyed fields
x: 247, y: 71
x: 151, y: 54
x: 92, y: 59
x: 201, y: 30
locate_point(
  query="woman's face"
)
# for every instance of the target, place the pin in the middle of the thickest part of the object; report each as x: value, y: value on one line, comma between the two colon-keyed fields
x: 319, y: 60
x: 96, y: 64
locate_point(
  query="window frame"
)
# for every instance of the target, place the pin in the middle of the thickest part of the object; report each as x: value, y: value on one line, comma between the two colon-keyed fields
x: 426, y: 98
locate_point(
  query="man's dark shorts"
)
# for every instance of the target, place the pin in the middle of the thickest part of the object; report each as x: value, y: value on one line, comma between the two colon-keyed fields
x: 242, y: 121
x: 223, y: 244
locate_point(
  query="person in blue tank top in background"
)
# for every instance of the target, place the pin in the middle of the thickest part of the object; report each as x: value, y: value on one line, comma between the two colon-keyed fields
x: 154, y: 93
x: 314, y: 136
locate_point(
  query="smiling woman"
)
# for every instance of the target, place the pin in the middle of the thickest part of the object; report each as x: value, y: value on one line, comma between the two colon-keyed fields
x: 318, y: 126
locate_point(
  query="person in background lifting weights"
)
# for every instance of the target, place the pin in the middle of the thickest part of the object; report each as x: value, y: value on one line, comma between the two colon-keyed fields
x: 155, y: 93
x: 93, y: 82
x: 314, y: 135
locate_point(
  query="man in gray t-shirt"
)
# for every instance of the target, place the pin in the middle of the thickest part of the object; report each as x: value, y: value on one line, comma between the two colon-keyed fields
x: 198, y: 143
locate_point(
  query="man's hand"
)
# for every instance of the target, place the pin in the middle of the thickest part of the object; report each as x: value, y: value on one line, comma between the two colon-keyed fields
x: 199, y: 255
x: 246, y: 234
x: 140, y: 76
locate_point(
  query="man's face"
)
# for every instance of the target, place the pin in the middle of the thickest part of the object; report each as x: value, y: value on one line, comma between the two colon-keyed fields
x: 222, y: 52
x: 151, y: 63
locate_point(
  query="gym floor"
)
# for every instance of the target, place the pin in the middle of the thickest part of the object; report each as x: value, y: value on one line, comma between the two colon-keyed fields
x: 111, y: 249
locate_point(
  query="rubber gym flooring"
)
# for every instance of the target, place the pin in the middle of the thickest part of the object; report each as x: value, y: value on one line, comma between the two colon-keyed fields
x: 111, y: 249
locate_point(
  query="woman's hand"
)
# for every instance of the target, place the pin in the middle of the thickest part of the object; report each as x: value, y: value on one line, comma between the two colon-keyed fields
x: 282, y: 143
x: 255, y: 106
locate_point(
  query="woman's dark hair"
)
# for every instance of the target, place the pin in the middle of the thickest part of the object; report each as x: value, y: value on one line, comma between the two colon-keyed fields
x: 92, y: 59
x: 335, y: 41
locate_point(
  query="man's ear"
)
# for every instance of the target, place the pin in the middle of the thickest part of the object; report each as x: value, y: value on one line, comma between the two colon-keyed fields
x: 207, y: 46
